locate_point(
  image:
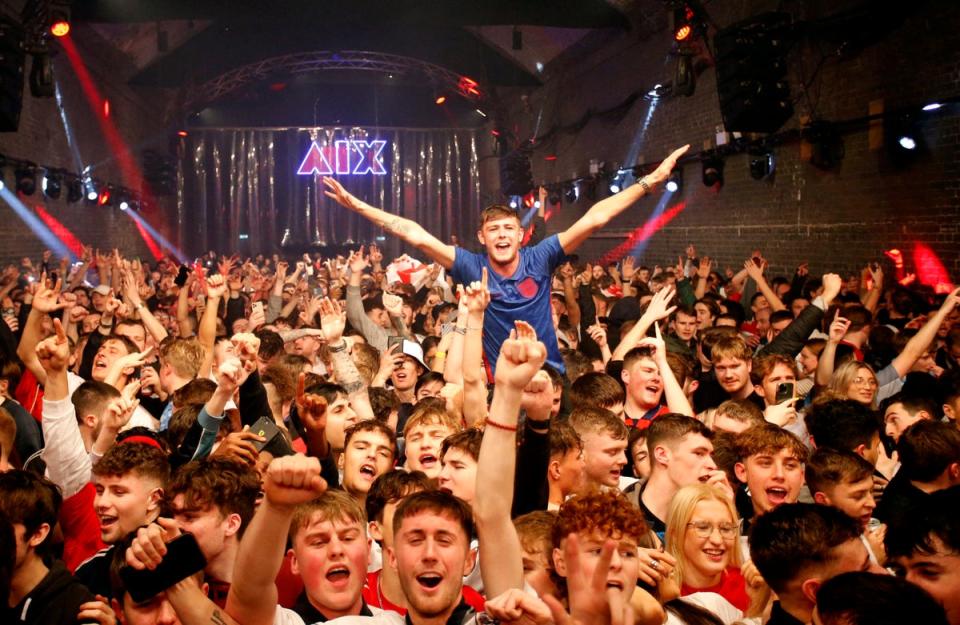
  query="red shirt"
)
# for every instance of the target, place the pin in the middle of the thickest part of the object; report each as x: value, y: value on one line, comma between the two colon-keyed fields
x: 375, y: 599
x: 732, y: 587
x: 81, y: 527
x: 29, y: 394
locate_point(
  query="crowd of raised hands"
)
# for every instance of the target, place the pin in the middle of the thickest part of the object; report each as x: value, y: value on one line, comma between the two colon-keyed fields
x: 698, y: 408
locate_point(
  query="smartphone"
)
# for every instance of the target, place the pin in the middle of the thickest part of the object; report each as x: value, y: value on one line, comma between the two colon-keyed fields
x: 784, y: 392
x: 183, y: 559
x: 181, y: 278
x: 394, y: 340
x: 757, y: 261
x: 257, y: 307
x: 267, y: 428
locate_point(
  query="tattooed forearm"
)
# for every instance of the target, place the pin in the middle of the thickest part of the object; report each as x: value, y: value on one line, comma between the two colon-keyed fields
x: 397, y: 226
x: 346, y: 371
x: 216, y: 619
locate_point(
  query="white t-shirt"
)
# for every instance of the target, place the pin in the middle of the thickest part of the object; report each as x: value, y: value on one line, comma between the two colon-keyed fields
x: 286, y: 616
x: 716, y: 605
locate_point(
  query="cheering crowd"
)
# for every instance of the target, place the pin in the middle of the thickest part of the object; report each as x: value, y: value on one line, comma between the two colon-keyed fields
x: 506, y: 435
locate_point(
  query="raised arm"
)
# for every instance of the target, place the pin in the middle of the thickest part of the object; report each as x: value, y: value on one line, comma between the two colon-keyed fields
x: 603, y: 211
x: 825, y: 365
x: 871, y: 298
x: 757, y: 274
x: 672, y: 391
x: 501, y: 562
x: 288, y: 482
x: 68, y: 463
x: 657, y: 310
x: 132, y: 292
x: 407, y: 229
x: 333, y: 321
x: 45, y: 301
x: 570, y: 295
x: 452, y: 343
x: 474, y: 376
x: 920, y: 341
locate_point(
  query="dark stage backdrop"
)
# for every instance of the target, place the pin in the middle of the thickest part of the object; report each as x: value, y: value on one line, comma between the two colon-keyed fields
x: 239, y: 190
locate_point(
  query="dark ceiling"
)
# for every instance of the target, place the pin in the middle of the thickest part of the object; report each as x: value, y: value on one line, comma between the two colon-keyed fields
x: 447, y: 33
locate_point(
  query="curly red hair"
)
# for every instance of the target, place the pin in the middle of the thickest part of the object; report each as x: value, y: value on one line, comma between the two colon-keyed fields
x: 606, y: 513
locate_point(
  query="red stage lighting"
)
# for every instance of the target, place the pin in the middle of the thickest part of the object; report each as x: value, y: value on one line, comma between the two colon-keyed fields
x: 106, y: 108
x: 468, y: 87
x: 60, y: 28
x: 182, y: 133
x: 441, y: 99
x: 104, y: 198
x: 683, y: 22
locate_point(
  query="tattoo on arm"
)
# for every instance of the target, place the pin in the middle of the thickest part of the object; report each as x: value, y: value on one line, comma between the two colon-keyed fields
x: 397, y: 226
x: 216, y: 619
x: 346, y: 371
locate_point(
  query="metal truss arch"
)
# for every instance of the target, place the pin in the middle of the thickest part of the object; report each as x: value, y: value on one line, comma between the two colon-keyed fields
x: 328, y: 60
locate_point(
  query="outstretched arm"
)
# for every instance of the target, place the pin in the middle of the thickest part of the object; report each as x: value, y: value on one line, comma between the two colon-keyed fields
x: 920, y: 342
x: 603, y: 211
x: 407, y: 229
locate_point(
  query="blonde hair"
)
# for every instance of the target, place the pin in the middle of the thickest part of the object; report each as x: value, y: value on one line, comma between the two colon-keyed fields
x: 844, y: 375
x: 681, y: 511
x: 431, y: 411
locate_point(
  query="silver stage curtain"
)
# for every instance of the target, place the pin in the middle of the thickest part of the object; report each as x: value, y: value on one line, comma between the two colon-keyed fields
x: 239, y: 190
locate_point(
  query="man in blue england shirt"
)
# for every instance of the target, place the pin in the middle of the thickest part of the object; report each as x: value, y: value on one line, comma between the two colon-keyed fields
x: 519, y: 279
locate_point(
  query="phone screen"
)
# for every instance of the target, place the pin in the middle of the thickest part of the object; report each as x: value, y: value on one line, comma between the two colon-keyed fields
x: 784, y: 392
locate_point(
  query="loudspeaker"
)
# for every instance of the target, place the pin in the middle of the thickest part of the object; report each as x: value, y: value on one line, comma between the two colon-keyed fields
x: 11, y: 74
x: 751, y: 66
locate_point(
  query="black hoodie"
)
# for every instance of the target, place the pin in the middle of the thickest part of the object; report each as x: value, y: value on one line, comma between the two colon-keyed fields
x: 55, y: 600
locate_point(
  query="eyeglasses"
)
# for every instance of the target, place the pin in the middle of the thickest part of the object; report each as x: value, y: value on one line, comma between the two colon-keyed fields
x: 867, y: 381
x: 705, y: 530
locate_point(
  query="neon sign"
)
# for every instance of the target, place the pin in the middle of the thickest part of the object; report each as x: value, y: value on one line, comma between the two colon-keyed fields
x: 345, y: 157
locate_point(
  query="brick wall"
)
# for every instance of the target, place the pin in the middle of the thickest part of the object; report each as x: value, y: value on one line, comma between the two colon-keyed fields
x: 42, y: 139
x: 837, y: 220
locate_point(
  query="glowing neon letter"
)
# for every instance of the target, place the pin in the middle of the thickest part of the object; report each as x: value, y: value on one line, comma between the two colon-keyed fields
x: 315, y: 162
x: 345, y: 157
x: 371, y: 157
x: 342, y: 151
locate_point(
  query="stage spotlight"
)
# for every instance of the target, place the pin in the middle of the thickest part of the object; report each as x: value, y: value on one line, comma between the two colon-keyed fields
x: 107, y: 196
x: 513, y: 203
x: 712, y: 170
x: 59, y: 21
x: 26, y: 179
x: 907, y: 142
x: 52, y: 184
x: 440, y: 100
x: 615, y: 185
x: 762, y: 165
x: 124, y: 204
x: 74, y: 190
x: 932, y: 106
x: 675, y: 181
x: 572, y: 193
x: 683, y: 22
